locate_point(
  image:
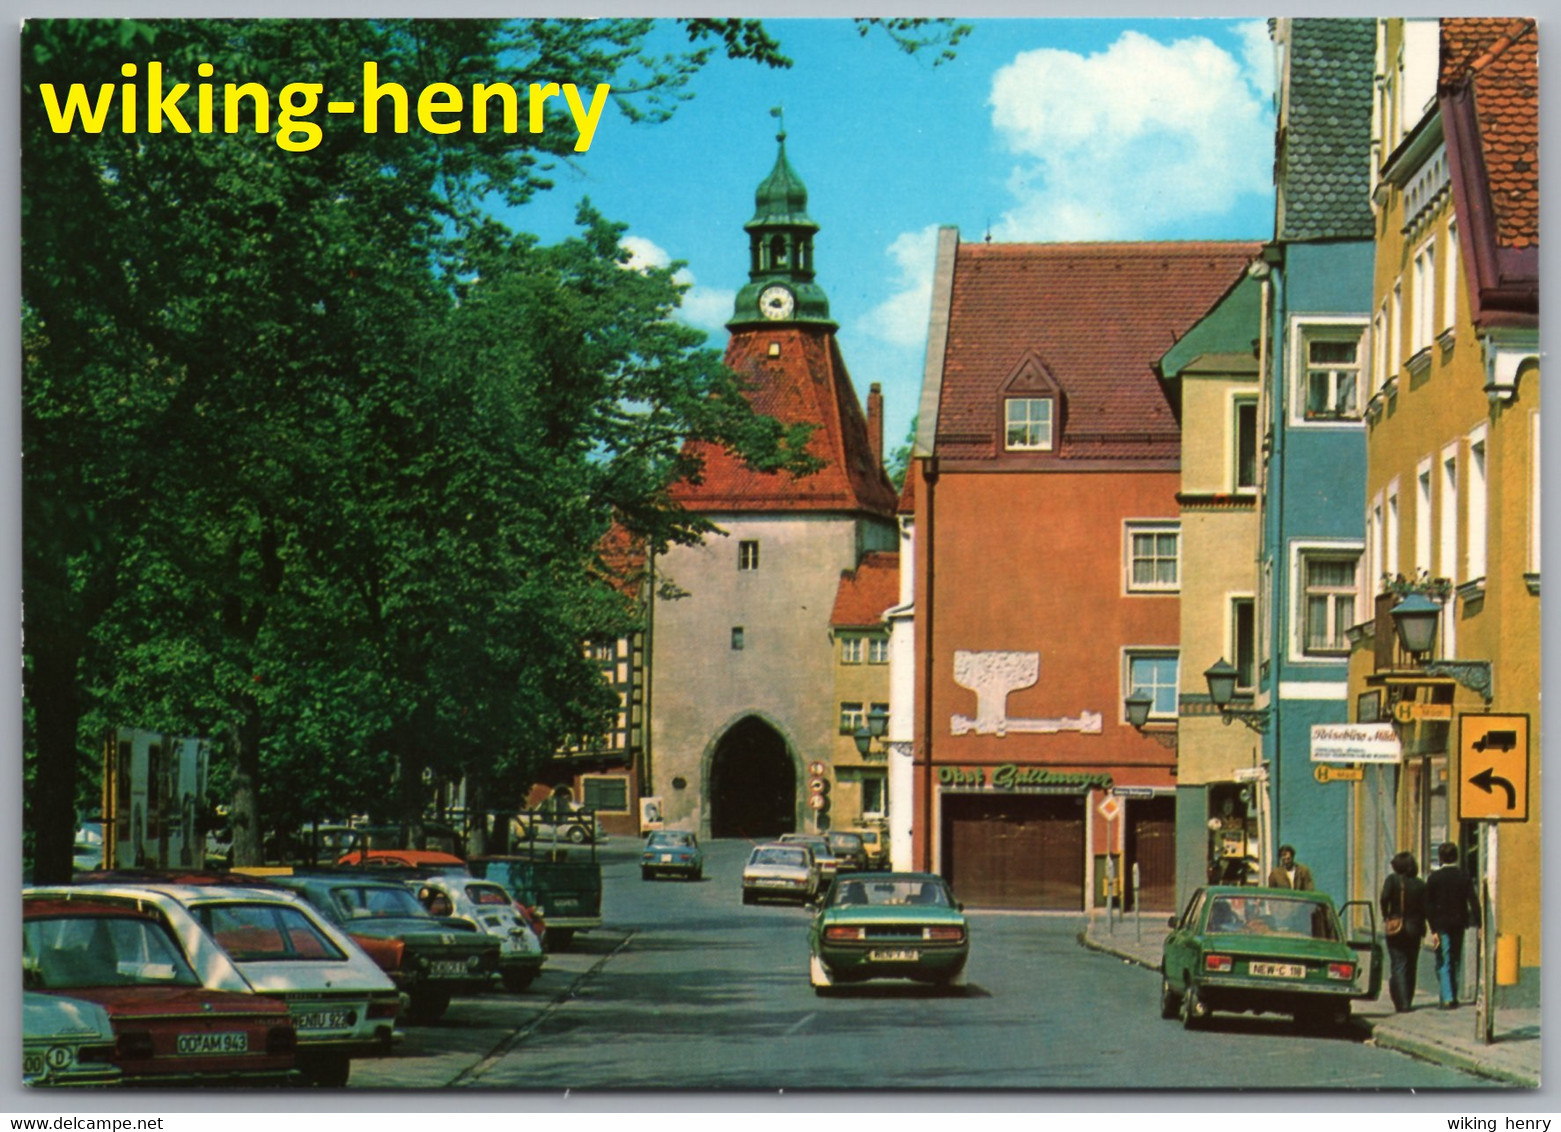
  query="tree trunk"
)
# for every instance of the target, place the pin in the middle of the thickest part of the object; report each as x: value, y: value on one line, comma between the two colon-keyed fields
x: 244, y: 812
x: 52, y: 691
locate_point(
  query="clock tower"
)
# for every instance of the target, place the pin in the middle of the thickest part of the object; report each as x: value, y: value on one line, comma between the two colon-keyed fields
x: 780, y: 286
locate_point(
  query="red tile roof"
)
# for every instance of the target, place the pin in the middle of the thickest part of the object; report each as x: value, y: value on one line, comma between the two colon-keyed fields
x: 807, y: 382
x: 1499, y: 59
x: 867, y: 591
x: 1090, y: 319
x: 907, y: 504
x: 621, y: 558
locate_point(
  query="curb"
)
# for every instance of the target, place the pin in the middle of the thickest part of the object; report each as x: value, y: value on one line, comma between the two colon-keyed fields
x: 1426, y: 1049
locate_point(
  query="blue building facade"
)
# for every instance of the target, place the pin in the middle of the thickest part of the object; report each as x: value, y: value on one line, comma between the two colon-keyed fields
x: 1318, y: 295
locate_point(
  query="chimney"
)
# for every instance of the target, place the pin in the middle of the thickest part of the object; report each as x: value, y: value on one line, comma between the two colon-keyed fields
x: 875, y: 421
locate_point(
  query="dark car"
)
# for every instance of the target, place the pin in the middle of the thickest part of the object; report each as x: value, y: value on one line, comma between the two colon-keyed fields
x: 169, y: 1029
x: 1267, y: 950
x: 430, y: 958
x: 849, y: 850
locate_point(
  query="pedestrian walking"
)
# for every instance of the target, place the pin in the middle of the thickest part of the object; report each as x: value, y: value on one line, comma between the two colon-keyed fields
x: 1451, y: 906
x: 1289, y: 873
x: 1403, y: 903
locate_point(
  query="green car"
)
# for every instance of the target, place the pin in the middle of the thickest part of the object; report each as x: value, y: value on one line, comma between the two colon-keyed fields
x: 888, y: 926
x: 1269, y: 951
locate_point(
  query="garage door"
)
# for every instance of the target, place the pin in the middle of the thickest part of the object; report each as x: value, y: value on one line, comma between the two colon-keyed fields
x: 1151, y: 844
x: 1017, y: 851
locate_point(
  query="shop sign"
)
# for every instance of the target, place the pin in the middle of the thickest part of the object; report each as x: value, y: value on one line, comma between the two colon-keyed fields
x: 1409, y: 711
x: 1355, y: 743
x: 1325, y: 772
x: 1012, y: 776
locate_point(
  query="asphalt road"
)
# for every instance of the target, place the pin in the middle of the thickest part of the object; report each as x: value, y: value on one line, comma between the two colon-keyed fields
x: 689, y: 989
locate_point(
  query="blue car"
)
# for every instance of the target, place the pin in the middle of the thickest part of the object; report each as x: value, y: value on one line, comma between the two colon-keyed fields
x: 672, y: 852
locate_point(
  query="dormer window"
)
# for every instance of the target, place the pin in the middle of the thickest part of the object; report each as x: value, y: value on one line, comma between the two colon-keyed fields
x: 1027, y: 424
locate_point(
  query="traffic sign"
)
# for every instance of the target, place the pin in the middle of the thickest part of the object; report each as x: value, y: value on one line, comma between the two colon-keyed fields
x: 817, y: 802
x: 816, y: 768
x: 1328, y: 772
x: 1109, y: 807
x: 1492, y: 767
x: 1133, y: 791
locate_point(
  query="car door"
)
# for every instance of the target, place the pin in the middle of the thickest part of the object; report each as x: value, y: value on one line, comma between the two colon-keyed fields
x: 1180, y: 945
x: 1359, y: 918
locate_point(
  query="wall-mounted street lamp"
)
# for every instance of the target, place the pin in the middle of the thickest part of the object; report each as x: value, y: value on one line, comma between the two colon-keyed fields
x: 877, y: 724
x: 1221, y: 678
x: 1137, y: 706
x: 1415, y: 619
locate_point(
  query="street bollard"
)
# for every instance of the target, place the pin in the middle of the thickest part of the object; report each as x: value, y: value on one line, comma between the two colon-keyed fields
x: 1111, y: 894
x: 1138, y: 906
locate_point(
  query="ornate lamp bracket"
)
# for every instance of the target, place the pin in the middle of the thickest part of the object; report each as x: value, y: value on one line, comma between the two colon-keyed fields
x: 1472, y: 674
x: 1255, y: 718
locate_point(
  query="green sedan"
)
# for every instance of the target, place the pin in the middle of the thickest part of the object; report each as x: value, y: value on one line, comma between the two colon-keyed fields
x: 1269, y: 951
x: 888, y: 926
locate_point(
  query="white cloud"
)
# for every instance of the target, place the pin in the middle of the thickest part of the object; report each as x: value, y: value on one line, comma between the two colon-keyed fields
x: 901, y: 320
x: 1138, y: 141
x: 1257, y: 53
x: 705, y: 307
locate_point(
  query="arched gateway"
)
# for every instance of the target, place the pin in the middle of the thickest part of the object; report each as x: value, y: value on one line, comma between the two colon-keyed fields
x: 752, y: 782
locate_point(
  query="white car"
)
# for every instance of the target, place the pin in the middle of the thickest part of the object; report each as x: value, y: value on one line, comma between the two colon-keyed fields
x: 576, y: 826
x: 66, y: 1041
x: 490, y: 908
x: 778, y: 871
x: 271, y: 942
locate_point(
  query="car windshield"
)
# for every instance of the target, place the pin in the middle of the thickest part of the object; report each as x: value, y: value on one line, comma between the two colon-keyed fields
x: 265, y: 932
x: 777, y: 855
x: 101, y: 951
x: 819, y: 846
x: 1301, y: 919
x: 896, y: 890
x: 373, y: 902
x: 844, y: 842
x: 669, y: 839
x: 487, y: 894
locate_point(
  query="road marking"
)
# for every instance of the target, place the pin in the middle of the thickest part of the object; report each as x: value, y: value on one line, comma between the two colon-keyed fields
x: 799, y: 1023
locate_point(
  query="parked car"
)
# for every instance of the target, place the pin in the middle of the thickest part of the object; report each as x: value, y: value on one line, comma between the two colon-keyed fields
x: 430, y: 958
x: 1267, y: 950
x: 429, y: 860
x: 876, y: 845
x: 488, y: 907
x: 672, y: 851
x: 561, y: 882
x: 849, y: 850
x: 888, y: 926
x: 779, y: 871
x: 169, y: 1029
x: 575, y: 825
x: 247, y: 937
x: 66, y: 1041
x: 828, y: 863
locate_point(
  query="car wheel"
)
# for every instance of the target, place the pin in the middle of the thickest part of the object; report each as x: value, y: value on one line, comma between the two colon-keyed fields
x: 646, y: 874
x: 1194, y: 1013
x: 559, y: 939
x: 697, y: 874
x: 517, y: 981
x: 427, y: 1005
x: 576, y: 834
x: 1170, y: 1001
x: 747, y: 897
x: 954, y: 984
x: 326, y: 1070
x: 819, y: 975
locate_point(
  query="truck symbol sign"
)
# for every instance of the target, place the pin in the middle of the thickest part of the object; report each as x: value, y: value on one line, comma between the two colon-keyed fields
x: 1497, y: 741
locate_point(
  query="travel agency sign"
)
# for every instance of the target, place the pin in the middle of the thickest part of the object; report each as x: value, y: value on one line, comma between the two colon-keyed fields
x: 1355, y: 743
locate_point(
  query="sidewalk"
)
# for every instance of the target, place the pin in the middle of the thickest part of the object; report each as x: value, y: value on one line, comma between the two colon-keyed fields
x: 1443, y: 1036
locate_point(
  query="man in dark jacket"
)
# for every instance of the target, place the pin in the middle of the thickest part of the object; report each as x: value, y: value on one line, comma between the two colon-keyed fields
x: 1403, y: 897
x: 1451, y: 906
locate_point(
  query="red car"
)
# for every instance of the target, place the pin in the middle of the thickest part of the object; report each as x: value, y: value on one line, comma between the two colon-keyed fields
x: 168, y: 1028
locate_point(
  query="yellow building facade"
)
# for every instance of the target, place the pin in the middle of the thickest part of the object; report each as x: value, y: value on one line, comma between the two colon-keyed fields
x: 1453, y: 488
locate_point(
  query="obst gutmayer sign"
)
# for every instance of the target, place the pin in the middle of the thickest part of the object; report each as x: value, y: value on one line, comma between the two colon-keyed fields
x: 1355, y: 743
x: 1010, y: 776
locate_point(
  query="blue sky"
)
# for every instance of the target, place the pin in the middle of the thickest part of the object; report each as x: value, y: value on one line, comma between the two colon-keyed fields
x: 1040, y: 129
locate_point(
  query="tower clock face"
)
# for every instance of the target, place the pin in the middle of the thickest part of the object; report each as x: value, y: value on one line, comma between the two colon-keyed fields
x: 777, y: 302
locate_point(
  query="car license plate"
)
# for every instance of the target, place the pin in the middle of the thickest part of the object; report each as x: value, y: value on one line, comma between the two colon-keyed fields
x: 775, y: 884
x: 893, y: 955
x: 448, y: 969
x: 324, y: 1020
x: 1278, y: 970
x: 666, y: 857
x: 213, y: 1043
x: 33, y: 1065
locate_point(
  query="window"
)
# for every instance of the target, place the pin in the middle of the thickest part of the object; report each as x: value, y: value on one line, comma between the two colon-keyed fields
x: 737, y: 637
x: 1390, y: 562
x: 1474, y: 559
x: 1328, y: 599
x: 1424, y: 521
x: 607, y: 793
x: 1153, y: 557
x: 1376, y: 527
x: 851, y: 718
x: 883, y: 709
x: 1379, y: 348
x: 1243, y: 645
x: 603, y: 650
x: 1395, y: 328
x: 1246, y: 444
x: 875, y: 796
x: 850, y: 650
x: 1448, y: 561
x: 1332, y: 374
x: 1449, y: 311
x: 1027, y: 424
x: 878, y: 650
x: 748, y: 554
x: 1424, y: 297
x: 1153, y: 672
